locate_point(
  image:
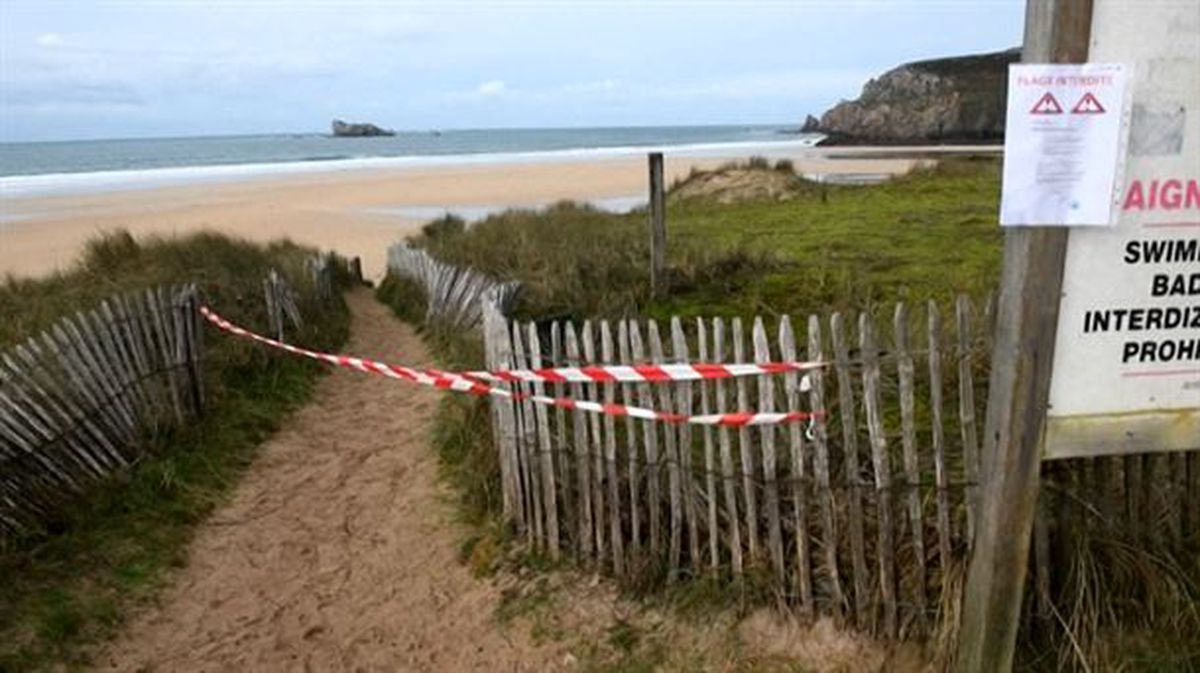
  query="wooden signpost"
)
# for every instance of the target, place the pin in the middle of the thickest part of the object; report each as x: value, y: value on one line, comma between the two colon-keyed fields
x: 1062, y: 385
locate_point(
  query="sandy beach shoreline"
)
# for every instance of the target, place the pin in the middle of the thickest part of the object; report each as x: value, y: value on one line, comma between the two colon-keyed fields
x: 360, y: 212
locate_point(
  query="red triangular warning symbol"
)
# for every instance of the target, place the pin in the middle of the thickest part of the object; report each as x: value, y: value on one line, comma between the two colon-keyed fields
x: 1088, y: 105
x: 1046, y: 105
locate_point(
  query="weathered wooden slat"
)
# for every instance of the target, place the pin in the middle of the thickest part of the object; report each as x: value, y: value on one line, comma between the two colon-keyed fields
x: 49, y: 427
x: 99, y: 403
x: 770, y: 467
x: 117, y: 353
x: 710, y: 464
x: 190, y: 313
x: 28, y: 368
x: 653, y: 464
x: 683, y: 396
x: 937, y: 438
x: 906, y: 371
x: 198, y: 324
x: 177, y: 299
x: 133, y: 335
x: 600, y: 531
x: 746, y: 447
x: 675, y: 549
x: 628, y: 397
x: 93, y: 448
x: 880, y: 460
x: 545, y: 450
x: 583, y: 469
x: 274, y: 319
x: 120, y: 357
x: 521, y: 451
x: 159, y: 309
x: 822, y: 468
x: 156, y: 384
x: 528, y: 447
x: 564, y: 458
x: 24, y: 426
x: 797, y: 451
x: 728, y: 477
x: 87, y: 345
x: 147, y: 306
x: 966, y: 413
x: 607, y: 352
x: 496, y: 348
x: 858, y: 555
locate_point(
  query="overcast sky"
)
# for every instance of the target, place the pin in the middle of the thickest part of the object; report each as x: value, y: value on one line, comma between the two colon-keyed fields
x: 126, y: 69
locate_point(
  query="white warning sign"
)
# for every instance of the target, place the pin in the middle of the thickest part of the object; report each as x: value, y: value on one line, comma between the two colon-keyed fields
x: 1127, y: 354
x: 1063, y: 141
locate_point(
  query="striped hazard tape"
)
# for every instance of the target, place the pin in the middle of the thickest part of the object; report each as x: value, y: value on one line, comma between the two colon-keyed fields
x: 478, y: 382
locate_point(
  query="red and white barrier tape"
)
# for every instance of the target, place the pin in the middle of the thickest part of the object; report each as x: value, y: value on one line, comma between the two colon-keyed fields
x: 475, y: 382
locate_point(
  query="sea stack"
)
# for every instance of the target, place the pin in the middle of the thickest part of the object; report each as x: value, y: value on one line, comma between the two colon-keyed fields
x: 343, y: 129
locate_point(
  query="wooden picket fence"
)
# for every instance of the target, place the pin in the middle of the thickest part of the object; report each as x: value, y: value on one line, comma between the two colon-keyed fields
x: 77, y: 400
x: 281, y: 301
x: 867, y: 516
x: 453, y: 294
x: 864, y: 515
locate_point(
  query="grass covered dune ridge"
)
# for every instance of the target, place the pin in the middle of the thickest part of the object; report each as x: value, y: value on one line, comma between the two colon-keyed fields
x: 70, y: 585
x: 801, y: 247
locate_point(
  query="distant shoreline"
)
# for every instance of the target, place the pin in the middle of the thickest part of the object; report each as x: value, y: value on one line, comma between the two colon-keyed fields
x: 90, y: 182
x: 360, y: 212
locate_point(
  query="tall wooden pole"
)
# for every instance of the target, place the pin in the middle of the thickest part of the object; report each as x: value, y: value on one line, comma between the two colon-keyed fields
x: 658, y: 227
x: 1056, y: 31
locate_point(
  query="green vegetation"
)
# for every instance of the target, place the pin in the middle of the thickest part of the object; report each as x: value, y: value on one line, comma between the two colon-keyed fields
x: 817, y: 248
x: 70, y: 586
x: 927, y: 235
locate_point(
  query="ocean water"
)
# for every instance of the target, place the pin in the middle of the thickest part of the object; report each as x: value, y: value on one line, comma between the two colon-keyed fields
x: 38, y: 168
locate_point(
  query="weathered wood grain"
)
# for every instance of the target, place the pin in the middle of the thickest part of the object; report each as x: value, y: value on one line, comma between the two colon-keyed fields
x: 799, y: 460
x: 770, y: 462
x: 906, y: 372
x: 885, y: 549
x: 863, y: 603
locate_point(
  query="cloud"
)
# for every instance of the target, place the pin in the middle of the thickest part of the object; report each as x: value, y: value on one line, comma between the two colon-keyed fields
x: 50, y: 40
x: 72, y: 93
x: 493, y: 87
x: 591, y: 87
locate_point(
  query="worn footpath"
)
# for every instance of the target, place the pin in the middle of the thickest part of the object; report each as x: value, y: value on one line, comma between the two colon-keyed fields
x: 337, y: 551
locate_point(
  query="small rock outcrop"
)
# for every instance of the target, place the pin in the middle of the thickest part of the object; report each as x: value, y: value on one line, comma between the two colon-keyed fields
x: 343, y: 129
x: 959, y: 99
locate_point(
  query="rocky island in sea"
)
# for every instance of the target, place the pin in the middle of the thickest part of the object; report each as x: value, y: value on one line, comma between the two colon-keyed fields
x: 947, y: 100
x: 343, y: 129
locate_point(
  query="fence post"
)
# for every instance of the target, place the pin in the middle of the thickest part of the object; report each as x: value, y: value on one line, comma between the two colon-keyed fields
x: 1022, y: 357
x: 658, y: 227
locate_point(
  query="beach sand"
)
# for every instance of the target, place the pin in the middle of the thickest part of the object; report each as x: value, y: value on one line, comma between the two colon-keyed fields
x: 352, y: 211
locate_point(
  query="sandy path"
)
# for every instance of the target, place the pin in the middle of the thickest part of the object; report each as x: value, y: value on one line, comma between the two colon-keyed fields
x: 337, y: 549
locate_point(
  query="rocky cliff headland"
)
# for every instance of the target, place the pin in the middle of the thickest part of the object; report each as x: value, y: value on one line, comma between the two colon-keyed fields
x: 946, y: 100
